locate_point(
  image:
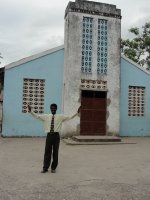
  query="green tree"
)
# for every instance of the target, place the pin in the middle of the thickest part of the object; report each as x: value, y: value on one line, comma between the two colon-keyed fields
x: 138, y: 48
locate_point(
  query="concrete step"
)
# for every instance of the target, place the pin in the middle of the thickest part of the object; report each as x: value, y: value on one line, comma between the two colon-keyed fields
x: 71, y: 141
x: 95, y: 138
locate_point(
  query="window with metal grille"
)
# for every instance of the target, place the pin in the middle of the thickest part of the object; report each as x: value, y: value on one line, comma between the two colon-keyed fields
x: 136, y: 101
x: 102, y: 47
x: 33, y: 94
x: 87, y: 34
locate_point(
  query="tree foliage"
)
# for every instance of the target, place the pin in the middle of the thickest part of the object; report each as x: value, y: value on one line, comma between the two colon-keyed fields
x: 138, y: 48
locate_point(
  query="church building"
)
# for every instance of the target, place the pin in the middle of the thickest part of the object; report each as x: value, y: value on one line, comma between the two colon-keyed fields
x: 88, y: 70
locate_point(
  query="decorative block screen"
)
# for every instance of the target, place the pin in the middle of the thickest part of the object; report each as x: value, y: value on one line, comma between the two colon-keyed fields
x: 87, y: 44
x: 102, y: 47
x: 93, y: 85
x: 136, y: 101
x: 33, y: 94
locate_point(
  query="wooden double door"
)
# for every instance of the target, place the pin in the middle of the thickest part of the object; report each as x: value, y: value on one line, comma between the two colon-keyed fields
x: 93, y: 113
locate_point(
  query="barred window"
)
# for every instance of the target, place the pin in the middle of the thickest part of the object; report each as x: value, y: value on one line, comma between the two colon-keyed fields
x: 33, y: 94
x: 136, y: 101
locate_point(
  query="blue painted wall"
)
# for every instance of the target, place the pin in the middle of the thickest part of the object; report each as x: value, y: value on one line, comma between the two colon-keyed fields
x: 133, y: 126
x: 50, y: 68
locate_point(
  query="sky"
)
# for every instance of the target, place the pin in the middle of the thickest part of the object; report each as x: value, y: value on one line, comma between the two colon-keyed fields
x: 28, y: 27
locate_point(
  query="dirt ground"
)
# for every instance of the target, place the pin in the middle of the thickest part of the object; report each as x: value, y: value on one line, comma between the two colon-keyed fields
x: 85, y: 172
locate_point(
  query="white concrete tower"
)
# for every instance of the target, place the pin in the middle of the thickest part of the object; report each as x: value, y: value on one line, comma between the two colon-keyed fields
x: 92, y: 67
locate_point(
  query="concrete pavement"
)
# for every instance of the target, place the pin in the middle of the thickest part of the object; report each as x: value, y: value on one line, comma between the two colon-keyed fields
x: 85, y: 172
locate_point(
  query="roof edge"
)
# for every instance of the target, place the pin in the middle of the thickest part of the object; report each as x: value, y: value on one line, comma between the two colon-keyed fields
x: 33, y: 57
x: 135, y: 64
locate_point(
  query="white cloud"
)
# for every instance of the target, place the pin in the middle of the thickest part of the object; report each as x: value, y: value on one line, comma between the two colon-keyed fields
x: 31, y: 26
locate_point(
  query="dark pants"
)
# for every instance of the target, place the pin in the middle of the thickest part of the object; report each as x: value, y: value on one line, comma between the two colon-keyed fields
x: 51, y: 147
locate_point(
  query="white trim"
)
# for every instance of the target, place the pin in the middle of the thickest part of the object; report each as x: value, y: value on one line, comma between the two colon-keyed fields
x: 135, y: 64
x: 33, y: 57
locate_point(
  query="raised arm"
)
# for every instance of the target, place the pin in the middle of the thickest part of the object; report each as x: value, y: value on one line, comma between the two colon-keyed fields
x: 37, y: 116
x: 67, y: 118
x: 79, y: 110
x: 29, y: 108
